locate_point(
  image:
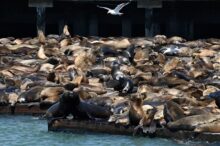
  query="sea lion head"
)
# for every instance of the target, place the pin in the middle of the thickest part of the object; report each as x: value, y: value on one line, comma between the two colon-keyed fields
x: 115, y: 64
x: 136, y: 99
x: 124, y: 60
x: 70, y: 98
x: 127, y: 84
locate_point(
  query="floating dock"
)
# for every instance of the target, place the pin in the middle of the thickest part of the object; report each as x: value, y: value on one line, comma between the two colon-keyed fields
x: 66, y: 125
x: 23, y: 109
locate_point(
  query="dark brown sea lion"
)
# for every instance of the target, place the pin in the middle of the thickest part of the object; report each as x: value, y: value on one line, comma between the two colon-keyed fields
x: 70, y: 103
x: 172, y: 111
x: 32, y: 95
x: 41, y: 37
x: 53, y: 111
x: 197, y: 111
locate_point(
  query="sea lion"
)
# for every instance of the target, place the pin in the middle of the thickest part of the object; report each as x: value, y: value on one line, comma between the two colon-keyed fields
x: 128, y: 54
x: 66, y: 31
x: 191, y: 122
x: 213, y: 127
x: 70, y: 103
x: 53, y: 111
x: 115, y: 72
x: 140, y: 118
x: 50, y: 95
x: 126, y: 85
x: 51, y: 77
x: 216, y: 97
x: 41, y: 54
x: 120, y: 115
x: 41, y: 37
x: 117, y: 44
x: 170, y: 49
x: 172, y: 111
x: 3, y: 98
x: 32, y: 95
x: 12, y: 99
x: 53, y: 61
x: 175, y: 40
x: 106, y: 51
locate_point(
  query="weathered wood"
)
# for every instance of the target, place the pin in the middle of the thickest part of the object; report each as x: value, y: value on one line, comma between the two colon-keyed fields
x: 23, y: 109
x: 126, y: 27
x: 41, y: 21
x: 104, y: 127
x: 40, y: 3
x: 93, y: 25
x: 148, y: 22
x: 149, y: 4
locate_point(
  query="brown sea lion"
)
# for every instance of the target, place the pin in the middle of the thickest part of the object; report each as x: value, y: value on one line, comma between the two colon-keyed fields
x: 41, y: 37
x: 32, y: 95
x: 191, y: 122
x: 213, y: 127
x: 172, y: 111
x: 41, y: 54
x: 66, y: 31
x: 51, y: 94
x: 176, y: 40
x: 140, y: 118
x: 197, y: 111
x: 117, y: 43
x: 12, y: 99
x: 3, y: 98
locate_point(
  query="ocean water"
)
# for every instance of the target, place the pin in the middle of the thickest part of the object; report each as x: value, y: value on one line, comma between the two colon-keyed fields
x: 30, y: 131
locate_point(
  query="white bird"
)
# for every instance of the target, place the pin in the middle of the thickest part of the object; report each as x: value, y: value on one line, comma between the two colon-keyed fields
x: 117, y: 9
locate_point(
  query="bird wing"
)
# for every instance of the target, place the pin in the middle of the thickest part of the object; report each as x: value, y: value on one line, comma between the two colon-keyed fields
x: 103, y: 7
x: 120, y: 6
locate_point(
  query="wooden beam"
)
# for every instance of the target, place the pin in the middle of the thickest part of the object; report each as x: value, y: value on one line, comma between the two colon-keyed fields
x: 41, y: 21
x: 93, y: 25
x: 126, y: 27
x: 149, y: 4
x: 40, y: 3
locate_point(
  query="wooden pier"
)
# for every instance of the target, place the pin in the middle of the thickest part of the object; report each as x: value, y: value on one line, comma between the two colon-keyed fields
x: 191, y: 19
x: 65, y: 125
x: 23, y: 109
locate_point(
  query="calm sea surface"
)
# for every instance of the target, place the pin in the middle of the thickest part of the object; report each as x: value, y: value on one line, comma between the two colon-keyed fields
x: 30, y: 131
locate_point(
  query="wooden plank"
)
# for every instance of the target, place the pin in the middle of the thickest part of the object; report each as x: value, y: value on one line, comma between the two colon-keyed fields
x: 104, y: 127
x: 149, y: 4
x: 23, y: 109
x: 40, y: 3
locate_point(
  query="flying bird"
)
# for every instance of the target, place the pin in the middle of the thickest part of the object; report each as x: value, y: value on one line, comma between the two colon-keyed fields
x: 117, y: 9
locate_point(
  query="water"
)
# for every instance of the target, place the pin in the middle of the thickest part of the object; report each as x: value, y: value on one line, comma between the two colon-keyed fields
x: 28, y: 131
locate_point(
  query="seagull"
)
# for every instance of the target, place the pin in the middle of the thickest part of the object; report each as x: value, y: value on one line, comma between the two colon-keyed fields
x: 117, y: 9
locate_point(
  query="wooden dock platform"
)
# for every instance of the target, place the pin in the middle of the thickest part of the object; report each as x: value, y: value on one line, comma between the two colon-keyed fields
x: 65, y: 125
x: 23, y: 109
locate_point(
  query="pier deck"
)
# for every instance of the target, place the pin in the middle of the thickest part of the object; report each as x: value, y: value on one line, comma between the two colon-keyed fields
x: 104, y: 127
x: 23, y: 109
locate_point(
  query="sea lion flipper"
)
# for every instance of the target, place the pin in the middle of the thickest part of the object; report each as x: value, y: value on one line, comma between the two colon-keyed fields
x: 112, y: 83
x: 151, y: 129
x: 136, y: 129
